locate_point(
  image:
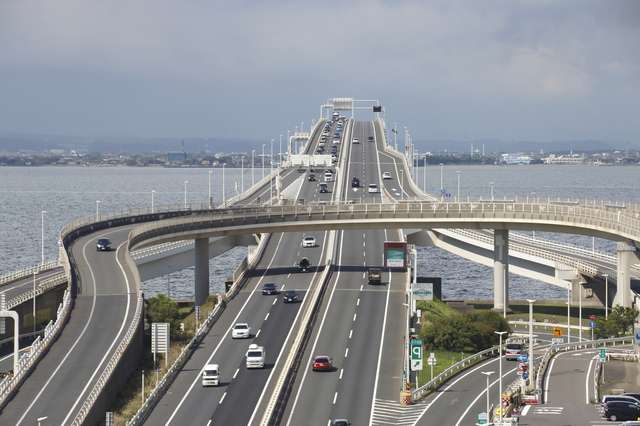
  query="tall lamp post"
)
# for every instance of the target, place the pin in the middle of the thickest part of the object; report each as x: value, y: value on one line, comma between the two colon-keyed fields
x: 441, y: 177
x: 491, y: 183
x: 402, y: 184
x: 97, y: 209
x: 500, y: 378
x: 210, y: 199
x: 34, y: 301
x: 223, y: 196
x: 263, y: 160
x: 606, y: 295
x: 185, y: 194
x: 42, y: 260
x: 581, y: 283
x: 271, y: 172
x: 530, y: 357
x: 253, y: 182
x: 242, y: 173
x: 488, y: 373
x: 458, y: 172
x: 153, y: 191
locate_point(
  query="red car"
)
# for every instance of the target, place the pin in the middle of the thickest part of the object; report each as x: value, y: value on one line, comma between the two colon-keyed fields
x: 322, y: 363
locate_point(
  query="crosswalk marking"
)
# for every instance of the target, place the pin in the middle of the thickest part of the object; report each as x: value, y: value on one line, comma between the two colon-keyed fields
x: 547, y: 410
x: 387, y: 412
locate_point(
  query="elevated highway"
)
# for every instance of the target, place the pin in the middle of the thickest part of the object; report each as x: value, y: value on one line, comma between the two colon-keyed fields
x: 600, y: 220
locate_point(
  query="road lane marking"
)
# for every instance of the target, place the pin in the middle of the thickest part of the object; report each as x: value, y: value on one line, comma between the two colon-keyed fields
x: 274, y: 302
x: 361, y: 287
x: 341, y: 371
x: 346, y: 353
x: 335, y: 397
x: 258, y: 333
x: 235, y: 374
x: 265, y: 318
x: 354, y: 316
x: 350, y: 333
x: 222, y: 399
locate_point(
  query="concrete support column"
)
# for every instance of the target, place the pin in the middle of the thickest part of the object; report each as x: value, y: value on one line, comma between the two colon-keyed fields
x: 202, y: 270
x: 626, y: 256
x: 501, y: 270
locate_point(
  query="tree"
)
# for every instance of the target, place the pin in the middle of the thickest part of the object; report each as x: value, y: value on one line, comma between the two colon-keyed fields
x: 163, y: 309
x: 464, y: 333
x: 619, y: 323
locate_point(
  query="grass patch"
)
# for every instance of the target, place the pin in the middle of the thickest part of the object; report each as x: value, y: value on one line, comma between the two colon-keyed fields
x: 129, y: 399
x: 553, y: 313
x: 433, y: 310
x: 444, y: 360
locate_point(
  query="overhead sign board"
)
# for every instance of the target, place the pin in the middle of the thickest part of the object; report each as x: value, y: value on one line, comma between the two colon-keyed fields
x: 395, y: 254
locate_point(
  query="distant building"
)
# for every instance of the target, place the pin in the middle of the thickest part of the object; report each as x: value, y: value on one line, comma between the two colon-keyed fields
x: 516, y: 159
x: 176, y: 157
x: 565, y: 159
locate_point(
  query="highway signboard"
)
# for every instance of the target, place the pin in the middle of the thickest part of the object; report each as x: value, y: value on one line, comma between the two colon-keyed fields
x: 416, y: 354
x: 483, y: 418
x: 522, y: 357
x: 422, y: 291
x: 603, y: 354
x: 395, y: 254
x: 558, y: 332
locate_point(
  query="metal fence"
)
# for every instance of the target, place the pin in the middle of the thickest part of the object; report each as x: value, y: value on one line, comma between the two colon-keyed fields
x: 35, y: 269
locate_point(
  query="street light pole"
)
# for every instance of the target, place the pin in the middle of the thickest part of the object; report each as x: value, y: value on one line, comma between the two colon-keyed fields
x: 153, y: 191
x: 569, y: 314
x: 242, y: 174
x: 98, y: 210
x: 253, y: 182
x: 500, y: 405
x: 491, y: 190
x: 185, y: 194
x: 34, y: 301
x: 42, y: 260
x: 530, y: 358
x: 581, y: 283
x: 263, y: 160
x: 606, y: 295
x: 223, y: 196
x: 441, y: 177
x: 402, y: 184
x: 488, y: 373
x: 271, y: 172
x: 210, y: 199
x: 458, y: 172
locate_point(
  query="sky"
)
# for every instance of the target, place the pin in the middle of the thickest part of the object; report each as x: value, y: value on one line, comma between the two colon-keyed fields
x: 461, y: 70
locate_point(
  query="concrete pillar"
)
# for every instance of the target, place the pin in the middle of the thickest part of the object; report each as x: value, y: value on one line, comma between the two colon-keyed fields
x: 501, y: 271
x: 626, y: 256
x: 202, y: 270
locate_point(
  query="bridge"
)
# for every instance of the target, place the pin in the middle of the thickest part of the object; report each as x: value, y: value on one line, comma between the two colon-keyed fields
x: 343, y: 257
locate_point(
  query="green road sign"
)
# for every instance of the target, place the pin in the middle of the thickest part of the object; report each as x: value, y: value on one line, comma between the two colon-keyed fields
x: 416, y: 357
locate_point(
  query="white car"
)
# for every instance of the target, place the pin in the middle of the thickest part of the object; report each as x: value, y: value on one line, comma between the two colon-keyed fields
x: 356, y: 140
x: 386, y: 175
x: 309, y: 242
x: 241, y: 331
x: 373, y: 187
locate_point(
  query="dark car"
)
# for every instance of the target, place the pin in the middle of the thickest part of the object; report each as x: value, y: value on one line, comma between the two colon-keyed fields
x: 617, y: 398
x: 323, y: 187
x: 355, y: 182
x: 370, y: 139
x: 340, y: 422
x: 269, y: 288
x: 103, y: 244
x: 304, y: 265
x: 312, y: 178
x: 290, y: 296
x: 621, y: 410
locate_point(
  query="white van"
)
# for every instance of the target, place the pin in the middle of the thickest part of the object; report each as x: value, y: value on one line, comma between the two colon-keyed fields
x: 211, y: 375
x: 328, y: 177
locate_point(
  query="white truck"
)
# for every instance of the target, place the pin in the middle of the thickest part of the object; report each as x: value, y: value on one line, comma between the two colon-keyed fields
x: 211, y: 375
x: 255, y: 356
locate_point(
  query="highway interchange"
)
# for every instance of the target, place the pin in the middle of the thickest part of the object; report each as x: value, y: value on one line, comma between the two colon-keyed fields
x: 360, y: 326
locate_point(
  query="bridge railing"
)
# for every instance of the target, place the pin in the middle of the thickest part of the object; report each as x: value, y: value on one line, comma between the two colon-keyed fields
x: 600, y: 219
x: 28, y: 360
x: 24, y: 272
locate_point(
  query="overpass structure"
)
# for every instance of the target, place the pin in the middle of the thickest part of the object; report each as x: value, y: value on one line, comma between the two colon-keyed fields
x: 420, y: 222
